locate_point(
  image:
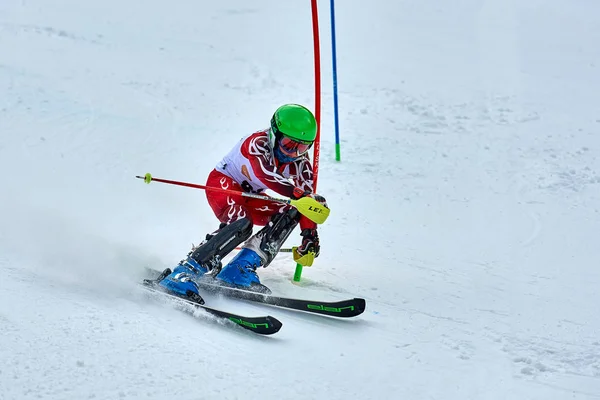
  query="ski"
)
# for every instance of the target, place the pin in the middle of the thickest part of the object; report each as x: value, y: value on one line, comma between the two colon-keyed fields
x: 266, y: 325
x: 341, y: 309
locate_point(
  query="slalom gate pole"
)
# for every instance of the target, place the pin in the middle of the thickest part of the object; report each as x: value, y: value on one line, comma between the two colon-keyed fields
x: 335, y: 91
x: 317, y: 143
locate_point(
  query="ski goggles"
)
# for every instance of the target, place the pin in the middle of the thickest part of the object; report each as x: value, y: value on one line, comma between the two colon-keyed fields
x: 292, y: 147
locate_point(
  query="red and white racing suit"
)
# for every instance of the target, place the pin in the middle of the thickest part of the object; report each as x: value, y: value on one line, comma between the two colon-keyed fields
x: 251, y: 167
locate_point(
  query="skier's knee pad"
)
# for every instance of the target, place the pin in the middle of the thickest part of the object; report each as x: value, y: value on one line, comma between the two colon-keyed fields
x: 223, y: 241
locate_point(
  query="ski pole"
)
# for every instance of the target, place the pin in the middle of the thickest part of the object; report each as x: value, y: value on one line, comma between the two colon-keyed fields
x: 307, y: 206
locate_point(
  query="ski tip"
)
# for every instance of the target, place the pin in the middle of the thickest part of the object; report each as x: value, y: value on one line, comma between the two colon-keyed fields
x: 275, y: 325
x: 267, y: 325
x: 361, y: 305
x: 349, y: 308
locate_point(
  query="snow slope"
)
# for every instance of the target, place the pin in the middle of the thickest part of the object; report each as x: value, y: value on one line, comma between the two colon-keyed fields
x: 465, y: 209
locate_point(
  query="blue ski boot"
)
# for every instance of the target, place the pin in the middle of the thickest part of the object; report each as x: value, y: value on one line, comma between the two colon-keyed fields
x: 241, y: 272
x: 181, y: 282
x: 259, y: 251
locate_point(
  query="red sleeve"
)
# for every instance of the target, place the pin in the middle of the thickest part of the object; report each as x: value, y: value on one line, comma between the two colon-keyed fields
x: 302, y: 174
x: 258, y: 152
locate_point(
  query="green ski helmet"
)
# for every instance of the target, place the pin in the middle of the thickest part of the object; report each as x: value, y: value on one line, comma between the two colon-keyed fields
x: 293, y: 131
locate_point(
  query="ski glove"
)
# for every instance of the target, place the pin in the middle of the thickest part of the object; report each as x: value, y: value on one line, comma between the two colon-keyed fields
x: 300, y: 193
x: 309, y: 249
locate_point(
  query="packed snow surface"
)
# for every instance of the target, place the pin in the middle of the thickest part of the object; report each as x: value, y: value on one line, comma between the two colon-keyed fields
x: 465, y: 209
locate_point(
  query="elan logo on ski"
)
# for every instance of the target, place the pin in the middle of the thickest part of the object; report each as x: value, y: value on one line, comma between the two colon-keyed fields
x: 247, y: 324
x: 321, y: 307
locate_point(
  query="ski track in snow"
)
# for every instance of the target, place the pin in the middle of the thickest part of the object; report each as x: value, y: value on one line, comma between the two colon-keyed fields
x: 464, y: 209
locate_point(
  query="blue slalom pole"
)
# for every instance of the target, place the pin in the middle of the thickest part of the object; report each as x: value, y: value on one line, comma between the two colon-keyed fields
x: 335, y: 94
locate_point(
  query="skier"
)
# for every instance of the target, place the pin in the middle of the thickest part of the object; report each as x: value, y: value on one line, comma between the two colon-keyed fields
x: 275, y: 158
